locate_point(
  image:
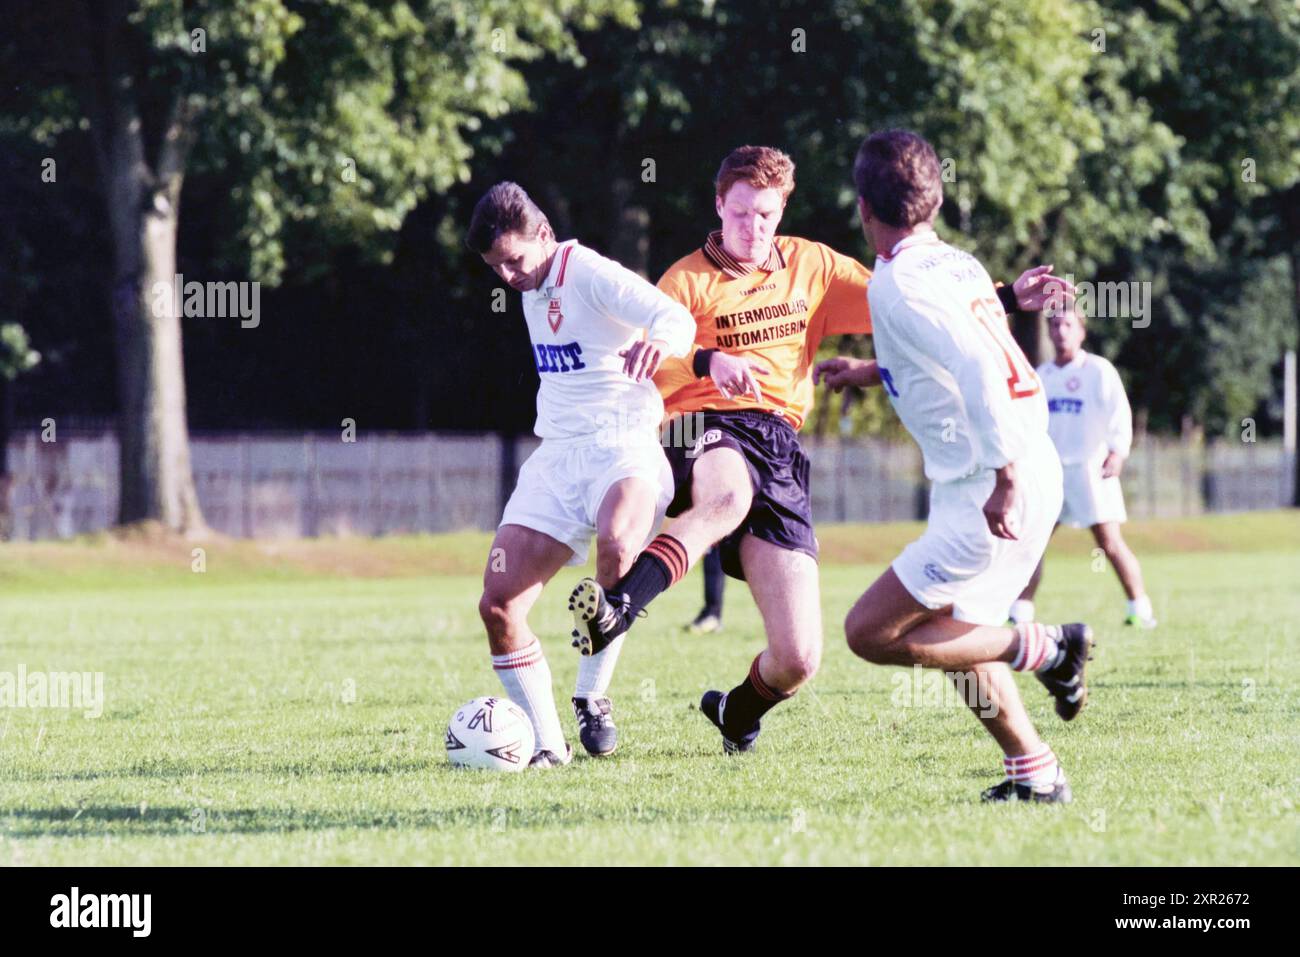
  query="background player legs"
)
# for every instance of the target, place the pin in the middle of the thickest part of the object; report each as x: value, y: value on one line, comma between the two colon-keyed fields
x: 1122, y: 559
x: 623, y: 522
x: 715, y: 581
x: 520, y: 562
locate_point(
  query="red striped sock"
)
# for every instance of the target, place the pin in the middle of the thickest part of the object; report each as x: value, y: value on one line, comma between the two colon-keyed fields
x: 1038, y: 646
x: 672, y: 554
x: 749, y: 701
x: 527, y: 679
x: 658, y: 568
x: 1038, y: 768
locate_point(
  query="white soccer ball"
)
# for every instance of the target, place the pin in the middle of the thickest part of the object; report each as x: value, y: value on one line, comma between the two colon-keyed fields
x: 491, y: 733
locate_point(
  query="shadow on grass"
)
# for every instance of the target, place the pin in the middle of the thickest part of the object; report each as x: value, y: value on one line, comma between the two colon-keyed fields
x: 175, y: 821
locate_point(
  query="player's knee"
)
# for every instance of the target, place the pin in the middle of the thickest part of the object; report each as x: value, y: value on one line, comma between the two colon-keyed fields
x: 729, y: 505
x: 615, y: 548
x: 864, y: 638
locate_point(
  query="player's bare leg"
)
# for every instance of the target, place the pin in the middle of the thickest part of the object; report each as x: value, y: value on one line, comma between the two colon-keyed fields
x: 721, y: 494
x: 623, y: 522
x: 888, y: 626
x: 520, y: 563
x: 785, y: 588
x: 1111, y: 541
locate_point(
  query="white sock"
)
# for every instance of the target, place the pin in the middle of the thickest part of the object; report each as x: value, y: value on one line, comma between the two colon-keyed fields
x: 595, y: 672
x: 1141, y: 606
x: 527, y: 680
x: 1022, y: 610
x: 1038, y: 768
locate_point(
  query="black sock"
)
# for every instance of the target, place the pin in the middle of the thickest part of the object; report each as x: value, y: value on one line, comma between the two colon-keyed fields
x: 747, y: 702
x: 655, y: 570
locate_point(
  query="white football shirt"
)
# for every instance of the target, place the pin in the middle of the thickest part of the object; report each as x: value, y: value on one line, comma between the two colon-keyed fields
x: 960, y: 383
x: 1089, y: 414
x: 588, y: 310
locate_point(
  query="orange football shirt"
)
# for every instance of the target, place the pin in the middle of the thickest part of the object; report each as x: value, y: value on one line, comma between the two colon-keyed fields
x: 776, y: 313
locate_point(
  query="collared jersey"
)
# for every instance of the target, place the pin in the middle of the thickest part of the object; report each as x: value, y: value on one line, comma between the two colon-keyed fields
x: 587, y: 311
x: 776, y: 314
x: 958, y: 380
x: 1089, y: 414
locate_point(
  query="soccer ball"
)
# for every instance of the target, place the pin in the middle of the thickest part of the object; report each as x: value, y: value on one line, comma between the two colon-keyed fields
x: 492, y: 733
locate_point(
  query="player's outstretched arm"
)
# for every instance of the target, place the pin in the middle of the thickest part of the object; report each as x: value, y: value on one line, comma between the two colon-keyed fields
x: 844, y: 372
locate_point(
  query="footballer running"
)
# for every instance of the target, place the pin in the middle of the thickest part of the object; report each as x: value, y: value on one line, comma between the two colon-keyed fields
x: 599, y: 333
x: 762, y: 303
x: 965, y: 391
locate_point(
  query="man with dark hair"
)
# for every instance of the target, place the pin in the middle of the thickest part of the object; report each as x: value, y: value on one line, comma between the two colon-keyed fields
x: 762, y: 304
x: 972, y: 401
x: 504, y: 209
x: 599, y: 333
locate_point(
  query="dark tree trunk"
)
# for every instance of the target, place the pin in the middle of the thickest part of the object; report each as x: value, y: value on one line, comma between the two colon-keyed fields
x: 143, y: 211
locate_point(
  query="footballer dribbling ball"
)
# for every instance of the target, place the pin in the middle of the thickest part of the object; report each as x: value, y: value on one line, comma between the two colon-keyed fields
x: 492, y: 733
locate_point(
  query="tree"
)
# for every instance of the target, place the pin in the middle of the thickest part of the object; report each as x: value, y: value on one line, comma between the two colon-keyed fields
x: 337, y: 117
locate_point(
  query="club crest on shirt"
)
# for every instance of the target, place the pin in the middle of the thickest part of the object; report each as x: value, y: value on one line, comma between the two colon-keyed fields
x: 1073, y: 383
x: 553, y: 315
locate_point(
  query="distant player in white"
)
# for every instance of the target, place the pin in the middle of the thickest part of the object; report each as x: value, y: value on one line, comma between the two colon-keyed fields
x: 599, y: 333
x: 1092, y: 427
x: 966, y: 393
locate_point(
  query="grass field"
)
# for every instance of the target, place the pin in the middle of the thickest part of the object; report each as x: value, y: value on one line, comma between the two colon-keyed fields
x: 287, y: 706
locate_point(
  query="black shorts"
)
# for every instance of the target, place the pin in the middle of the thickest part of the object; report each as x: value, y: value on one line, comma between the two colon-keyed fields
x: 781, y: 512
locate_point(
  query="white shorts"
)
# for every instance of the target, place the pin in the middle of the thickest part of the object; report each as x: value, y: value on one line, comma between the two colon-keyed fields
x: 957, y: 561
x: 562, y: 484
x: 1091, y: 499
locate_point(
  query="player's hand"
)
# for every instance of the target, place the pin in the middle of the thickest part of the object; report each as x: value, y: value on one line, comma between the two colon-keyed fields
x: 1000, y: 507
x: 1113, y: 465
x: 844, y: 372
x: 642, y: 359
x: 1037, y: 289
x: 735, y: 376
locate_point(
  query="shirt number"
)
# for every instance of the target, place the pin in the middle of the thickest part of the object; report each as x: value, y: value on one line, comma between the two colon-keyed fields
x: 1023, y: 381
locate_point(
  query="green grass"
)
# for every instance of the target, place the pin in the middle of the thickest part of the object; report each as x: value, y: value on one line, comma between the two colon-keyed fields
x: 229, y: 734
